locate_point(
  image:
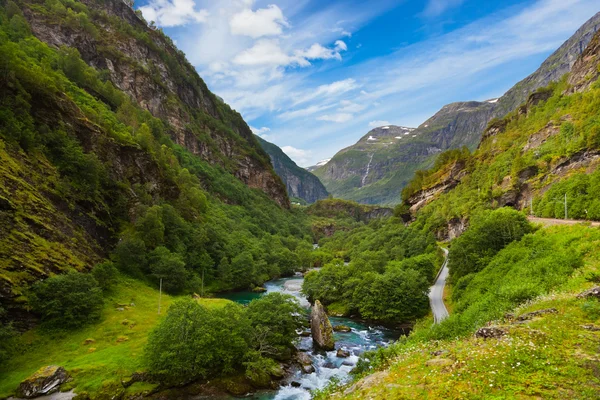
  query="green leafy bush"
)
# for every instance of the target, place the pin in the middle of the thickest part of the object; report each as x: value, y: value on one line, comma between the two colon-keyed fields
x: 489, y: 233
x: 275, y: 318
x: 105, y: 274
x: 67, y: 301
x: 194, y: 342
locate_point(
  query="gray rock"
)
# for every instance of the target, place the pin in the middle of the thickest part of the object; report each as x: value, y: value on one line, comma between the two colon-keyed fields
x: 343, y: 353
x: 342, y: 328
x: 594, y: 292
x: 45, y: 381
x: 490, y: 332
x: 321, y: 329
x: 533, y: 314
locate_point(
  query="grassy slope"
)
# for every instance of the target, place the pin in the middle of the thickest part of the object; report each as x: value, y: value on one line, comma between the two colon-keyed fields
x: 549, y: 357
x: 116, y: 353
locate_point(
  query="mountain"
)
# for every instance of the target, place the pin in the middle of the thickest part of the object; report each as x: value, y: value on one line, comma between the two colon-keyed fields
x: 317, y: 165
x: 300, y: 183
x: 375, y: 170
x: 377, y: 175
x: 114, y: 151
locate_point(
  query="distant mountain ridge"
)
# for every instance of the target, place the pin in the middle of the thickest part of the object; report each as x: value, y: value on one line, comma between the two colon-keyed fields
x: 373, y: 175
x: 299, y: 182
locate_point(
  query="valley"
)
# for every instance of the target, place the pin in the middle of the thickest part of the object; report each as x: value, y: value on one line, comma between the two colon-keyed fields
x: 154, y: 245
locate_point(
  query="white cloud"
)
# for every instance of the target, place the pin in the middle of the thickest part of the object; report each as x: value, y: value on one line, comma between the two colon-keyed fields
x: 267, y: 52
x: 168, y: 13
x: 260, y: 131
x: 338, y: 118
x: 341, y: 45
x: 378, y: 123
x: 304, y: 112
x: 263, y: 22
x: 318, y: 52
x: 351, y: 107
x: 301, y: 157
x: 435, y: 8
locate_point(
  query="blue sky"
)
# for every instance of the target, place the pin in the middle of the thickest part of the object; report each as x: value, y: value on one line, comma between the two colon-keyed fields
x: 313, y: 76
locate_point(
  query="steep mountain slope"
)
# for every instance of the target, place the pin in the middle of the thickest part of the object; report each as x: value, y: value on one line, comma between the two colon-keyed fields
x: 90, y: 171
x: 144, y: 63
x: 300, y: 183
x: 454, y: 126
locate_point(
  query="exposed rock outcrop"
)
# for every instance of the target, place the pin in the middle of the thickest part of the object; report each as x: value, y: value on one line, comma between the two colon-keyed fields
x: 538, y: 313
x: 490, y: 332
x: 448, y: 182
x: 45, y: 381
x: 322, y: 331
x: 593, y: 292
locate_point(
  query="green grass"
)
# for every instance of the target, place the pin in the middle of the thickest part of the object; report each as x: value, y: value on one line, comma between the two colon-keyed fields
x: 117, y: 352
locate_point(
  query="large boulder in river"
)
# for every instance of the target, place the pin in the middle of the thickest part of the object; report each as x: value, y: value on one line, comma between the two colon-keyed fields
x: 45, y: 381
x: 322, y: 331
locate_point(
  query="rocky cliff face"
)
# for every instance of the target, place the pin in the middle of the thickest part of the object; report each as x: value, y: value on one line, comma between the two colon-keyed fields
x: 551, y: 70
x: 145, y: 64
x: 376, y: 175
x: 299, y: 182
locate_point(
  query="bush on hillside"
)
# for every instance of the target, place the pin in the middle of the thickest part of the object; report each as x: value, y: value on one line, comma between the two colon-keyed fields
x: 489, y: 233
x: 67, y: 301
x: 398, y: 295
x: 105, y: 274
x: 194, y: 342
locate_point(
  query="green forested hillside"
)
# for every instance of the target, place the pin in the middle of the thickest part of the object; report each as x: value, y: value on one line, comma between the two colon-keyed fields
x: 87, y: 175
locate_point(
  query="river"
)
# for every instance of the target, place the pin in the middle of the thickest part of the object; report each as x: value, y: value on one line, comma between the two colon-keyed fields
x: 327, y: 365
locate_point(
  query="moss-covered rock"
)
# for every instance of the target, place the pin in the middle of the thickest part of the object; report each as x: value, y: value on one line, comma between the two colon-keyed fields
x: 45, y: 381
x: 322, y: 331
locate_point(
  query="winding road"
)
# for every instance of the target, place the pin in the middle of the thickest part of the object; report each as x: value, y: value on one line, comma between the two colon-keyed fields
x: 436, y: 292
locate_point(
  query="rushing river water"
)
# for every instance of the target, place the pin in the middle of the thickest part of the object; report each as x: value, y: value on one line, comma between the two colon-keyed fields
x: 327, y: 365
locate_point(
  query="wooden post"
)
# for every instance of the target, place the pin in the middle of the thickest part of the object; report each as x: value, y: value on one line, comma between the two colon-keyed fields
x: 159, y: 294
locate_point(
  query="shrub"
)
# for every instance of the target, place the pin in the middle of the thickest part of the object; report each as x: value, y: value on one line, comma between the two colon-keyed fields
x: 194, y: 342
x: 488, y: 234
x: 8, y: 336
x: 67, y: 301
x: 397, y: 295
x: 105, y: 274
x: 169, y: 267
x: 274, y: 319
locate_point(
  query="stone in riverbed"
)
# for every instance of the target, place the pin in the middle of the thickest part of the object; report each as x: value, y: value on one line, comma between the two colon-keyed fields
x: 322, y: 331
x: 296, y: 384
x: 305, y: 362
x: 342, y: 328
x: 343, y: 353
x: 45, y: 381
